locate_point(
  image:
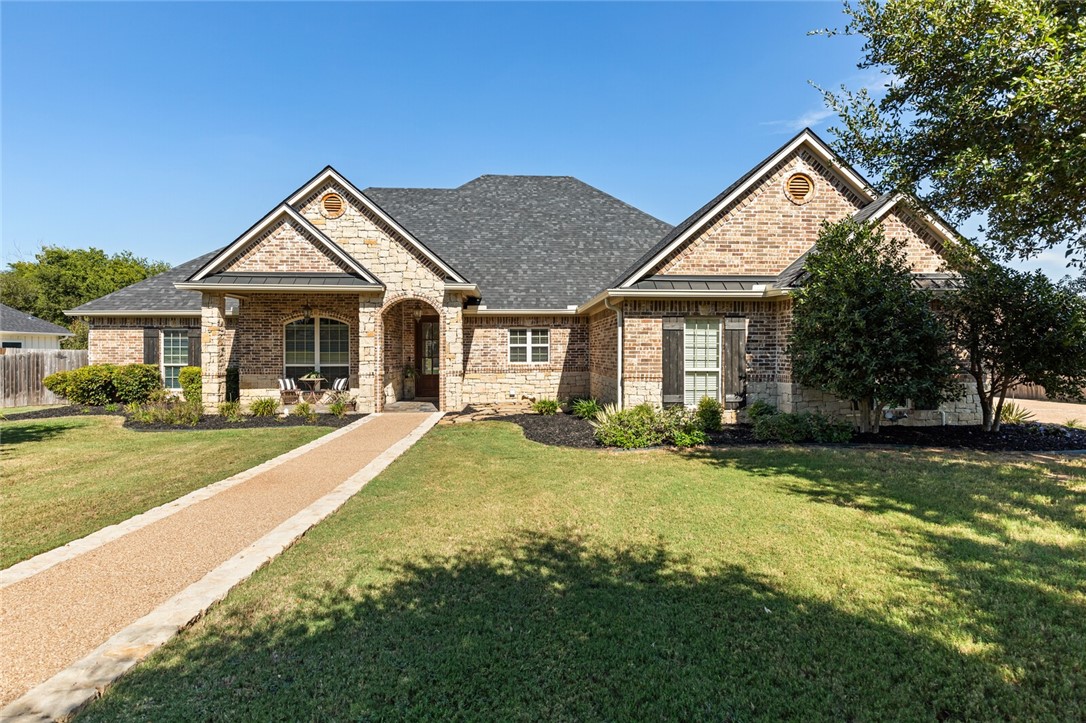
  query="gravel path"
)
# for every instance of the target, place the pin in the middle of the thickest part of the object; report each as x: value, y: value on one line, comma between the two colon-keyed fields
x: 59, y: 615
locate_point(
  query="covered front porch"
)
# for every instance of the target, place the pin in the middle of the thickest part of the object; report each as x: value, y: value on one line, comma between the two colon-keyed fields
x: 377, y: 350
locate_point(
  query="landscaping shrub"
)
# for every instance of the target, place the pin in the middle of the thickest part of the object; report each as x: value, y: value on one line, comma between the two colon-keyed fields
x: 58, y: 383
x: 171, y: 411
x: 230, y: 411
x: 586, y: 408
x: 1074, y: 423
x: 760, y: 408
x: 136, y: 382
x: 647, y: 426
x: 338, y: 408
x: 806, y: 427
x: 1014, y: 414
x: 708, y: 414
x: 91, y: 385
x: 264, y: 407
x: 546, y: 406
x: 305, y: 411
x: 192, y: 384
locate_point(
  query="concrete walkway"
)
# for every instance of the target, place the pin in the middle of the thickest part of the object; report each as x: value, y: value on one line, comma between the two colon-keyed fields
x: 56, y: 616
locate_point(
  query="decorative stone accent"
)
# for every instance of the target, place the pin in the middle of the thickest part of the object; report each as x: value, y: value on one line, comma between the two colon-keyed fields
x: 214, y: 350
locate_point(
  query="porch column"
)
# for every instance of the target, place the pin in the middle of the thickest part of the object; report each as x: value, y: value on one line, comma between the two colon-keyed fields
x: 213, y: 350
x: 369, y: 307
x: 452, y: 361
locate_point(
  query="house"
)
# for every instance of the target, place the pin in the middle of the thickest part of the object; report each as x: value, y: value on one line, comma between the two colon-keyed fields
x: 19, y: 330
x: 512, y: 287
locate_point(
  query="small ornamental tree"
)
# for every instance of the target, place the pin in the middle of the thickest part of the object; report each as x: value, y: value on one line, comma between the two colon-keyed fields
x: 1015, y: 328
x: 862, y: 331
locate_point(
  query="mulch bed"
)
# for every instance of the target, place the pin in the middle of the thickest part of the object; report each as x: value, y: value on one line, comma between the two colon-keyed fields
x: 566, y: 430
x: 208, y: 421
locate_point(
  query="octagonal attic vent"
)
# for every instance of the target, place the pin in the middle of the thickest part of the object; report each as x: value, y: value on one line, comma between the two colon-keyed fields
x: 332, y: 205
x: 799, y: 188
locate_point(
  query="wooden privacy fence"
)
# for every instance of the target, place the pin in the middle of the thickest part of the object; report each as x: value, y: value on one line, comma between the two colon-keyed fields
x: 21, y: 372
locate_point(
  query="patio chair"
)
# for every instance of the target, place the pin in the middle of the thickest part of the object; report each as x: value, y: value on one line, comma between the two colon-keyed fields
x: 288, y: 391
x: 341, y: 385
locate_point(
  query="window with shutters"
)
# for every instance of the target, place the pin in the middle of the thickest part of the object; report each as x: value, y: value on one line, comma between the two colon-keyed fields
x: 175, y: 356
x: 701, y: 360
x: 529, y: 345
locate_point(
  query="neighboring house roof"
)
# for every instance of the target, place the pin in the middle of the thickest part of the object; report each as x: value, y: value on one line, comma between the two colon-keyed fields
x: 20, y: 322
x: 156, y: 294
x: 528, y: 242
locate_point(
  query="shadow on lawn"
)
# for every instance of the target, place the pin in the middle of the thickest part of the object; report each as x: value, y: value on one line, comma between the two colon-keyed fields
x: 544, y: 627
x: 1005, y: 541
x: 21, y: 433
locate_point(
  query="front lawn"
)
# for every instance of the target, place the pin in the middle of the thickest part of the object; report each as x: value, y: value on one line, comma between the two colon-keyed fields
x: 63, y: 478
x: 483, y: 576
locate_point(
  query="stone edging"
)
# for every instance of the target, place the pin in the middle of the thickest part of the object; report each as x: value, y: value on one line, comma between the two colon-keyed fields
x: 75, y: 548
x: 68, y: 691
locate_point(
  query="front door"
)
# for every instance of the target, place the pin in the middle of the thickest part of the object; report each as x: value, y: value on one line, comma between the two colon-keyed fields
x: 426, y: 351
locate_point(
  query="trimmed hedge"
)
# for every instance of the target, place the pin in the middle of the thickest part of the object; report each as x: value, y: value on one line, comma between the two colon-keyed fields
x: 97, y: 385
x: 806, y: 427
x: 136, y: 382
x: 192, y: 385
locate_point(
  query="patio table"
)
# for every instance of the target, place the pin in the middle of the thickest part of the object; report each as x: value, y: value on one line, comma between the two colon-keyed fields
x: 314, y: 393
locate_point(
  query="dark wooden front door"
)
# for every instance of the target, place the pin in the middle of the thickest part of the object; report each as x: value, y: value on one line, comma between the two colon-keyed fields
x: 427, y: 352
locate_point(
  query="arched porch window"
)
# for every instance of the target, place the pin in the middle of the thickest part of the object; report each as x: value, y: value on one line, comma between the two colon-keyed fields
x: 317, y: 344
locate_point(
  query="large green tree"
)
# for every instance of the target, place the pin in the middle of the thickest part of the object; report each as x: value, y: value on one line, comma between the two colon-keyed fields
x: 862, y: 331
x: 985, y: 113
x: 1013, y: 327
x: 60, y: 278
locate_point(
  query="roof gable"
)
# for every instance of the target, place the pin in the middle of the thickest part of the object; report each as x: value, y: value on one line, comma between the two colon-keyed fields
x: 249, y: 243
x: 330, y: 175
x: 696, y: 222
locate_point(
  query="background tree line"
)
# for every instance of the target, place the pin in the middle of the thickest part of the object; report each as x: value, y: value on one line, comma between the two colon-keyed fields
x: 60, y: 278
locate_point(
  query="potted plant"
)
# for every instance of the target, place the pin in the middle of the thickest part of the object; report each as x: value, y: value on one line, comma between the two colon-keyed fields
x: 409, y: 374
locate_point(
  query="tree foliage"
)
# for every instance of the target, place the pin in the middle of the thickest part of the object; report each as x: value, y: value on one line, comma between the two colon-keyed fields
x: 1013, y: 327
x: 60, y: 278
x: 985, y: 113
x: 862, y: 331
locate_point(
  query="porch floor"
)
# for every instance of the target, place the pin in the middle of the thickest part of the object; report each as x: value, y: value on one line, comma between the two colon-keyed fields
x: 416, y: 405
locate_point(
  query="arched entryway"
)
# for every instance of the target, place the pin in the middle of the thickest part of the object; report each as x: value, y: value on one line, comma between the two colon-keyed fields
x: 411, y: 356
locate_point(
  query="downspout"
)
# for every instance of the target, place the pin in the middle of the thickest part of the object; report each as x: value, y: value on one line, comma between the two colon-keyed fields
x: 618, y: 370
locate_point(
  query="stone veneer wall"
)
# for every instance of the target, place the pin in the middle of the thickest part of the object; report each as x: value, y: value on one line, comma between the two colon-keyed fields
x: 260, y: 336
x: 603, y: 356
x: 489, y: 376
x: 119, y: 340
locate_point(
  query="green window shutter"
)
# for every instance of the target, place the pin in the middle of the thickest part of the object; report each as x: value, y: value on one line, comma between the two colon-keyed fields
x: 673, y: 366
x: 735, y: 363
x: 194, y: 348
x: 150, y: 346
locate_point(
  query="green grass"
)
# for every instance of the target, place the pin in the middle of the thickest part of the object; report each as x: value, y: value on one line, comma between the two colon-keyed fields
x: 5, y: 411
x: 63, y: 478
x: 486, y: 577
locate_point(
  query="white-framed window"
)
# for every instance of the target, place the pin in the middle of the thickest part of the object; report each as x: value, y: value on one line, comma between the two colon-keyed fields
x: 529, y: 345
x: 317, y: 344
x: 701, y: 360
x: 175, y: 356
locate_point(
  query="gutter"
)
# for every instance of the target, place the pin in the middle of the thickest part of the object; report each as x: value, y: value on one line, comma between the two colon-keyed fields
x: 618, y: 369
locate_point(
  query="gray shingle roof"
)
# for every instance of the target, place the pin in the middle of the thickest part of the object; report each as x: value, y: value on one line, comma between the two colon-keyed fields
x: 20, y: 322
x: 528, y: 242
x: 157, y: 293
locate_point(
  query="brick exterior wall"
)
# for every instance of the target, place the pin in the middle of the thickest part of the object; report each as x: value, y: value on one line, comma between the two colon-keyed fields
x: 922, y: 249
x: 119, y: 340
x: 763, y: 231
x: 489, y: 376
x: 285, y: 248
x: 603, y: 356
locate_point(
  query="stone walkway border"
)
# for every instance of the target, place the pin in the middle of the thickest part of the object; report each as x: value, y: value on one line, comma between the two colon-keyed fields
x: 70, y: 690
x: 75, y: 548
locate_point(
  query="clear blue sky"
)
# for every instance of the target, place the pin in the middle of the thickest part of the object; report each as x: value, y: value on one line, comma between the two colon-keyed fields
x: 168, y: 129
